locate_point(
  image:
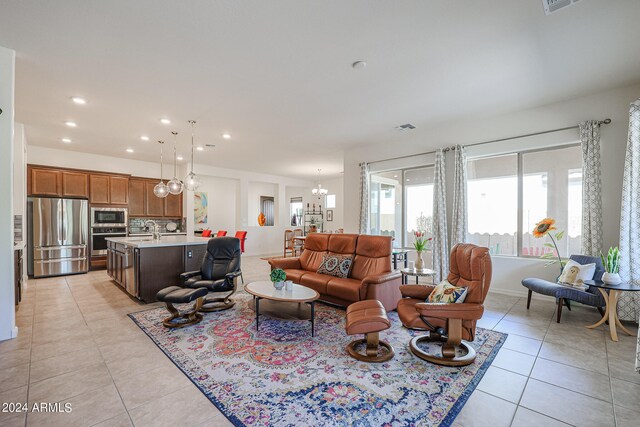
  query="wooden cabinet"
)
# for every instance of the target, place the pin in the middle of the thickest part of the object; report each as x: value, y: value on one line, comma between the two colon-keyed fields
x: 99, y: 189
x: 136, y: 197
x: 75, y: 184
x: 154, y: 205
x: 118, y: 190
x: 45, y: 182
x: 173, y: 206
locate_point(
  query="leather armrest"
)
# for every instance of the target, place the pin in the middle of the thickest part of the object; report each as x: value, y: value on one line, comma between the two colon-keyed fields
x: 381, y: 278
x: 230, y: 277
x: 416, y: 291
x: 464, y: 311
x: 285, y: 263
x: 188, y: 275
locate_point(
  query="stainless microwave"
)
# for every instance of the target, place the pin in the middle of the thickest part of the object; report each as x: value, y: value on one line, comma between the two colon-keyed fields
x: 109, y: 217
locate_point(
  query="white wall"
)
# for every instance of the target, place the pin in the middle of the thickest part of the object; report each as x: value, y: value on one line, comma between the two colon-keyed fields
x: 222, y: 196
x: 257, y: 190
x: 334, y: 186
x: 8, y: 327
x: 508, y: 272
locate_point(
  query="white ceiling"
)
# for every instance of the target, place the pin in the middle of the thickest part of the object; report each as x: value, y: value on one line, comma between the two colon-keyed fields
x: 277, y: 74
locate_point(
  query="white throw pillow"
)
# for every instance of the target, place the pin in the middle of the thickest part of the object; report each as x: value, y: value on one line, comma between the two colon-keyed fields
x: 575, y: 274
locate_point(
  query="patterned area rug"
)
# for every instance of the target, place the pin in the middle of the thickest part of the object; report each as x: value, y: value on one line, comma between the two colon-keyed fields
x: 284, y: 377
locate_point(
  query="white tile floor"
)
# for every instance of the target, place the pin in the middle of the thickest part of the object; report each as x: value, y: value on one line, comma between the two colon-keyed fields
x: 77, y: 345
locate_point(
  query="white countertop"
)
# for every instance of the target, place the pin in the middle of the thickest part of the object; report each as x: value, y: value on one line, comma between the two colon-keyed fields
x: 147, y: 242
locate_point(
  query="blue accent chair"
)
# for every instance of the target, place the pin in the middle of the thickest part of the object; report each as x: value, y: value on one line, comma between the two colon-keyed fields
x: 564, y: 294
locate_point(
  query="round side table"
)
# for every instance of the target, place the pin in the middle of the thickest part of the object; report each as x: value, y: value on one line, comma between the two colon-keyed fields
x: 611, y: 301
x: 417, y: 272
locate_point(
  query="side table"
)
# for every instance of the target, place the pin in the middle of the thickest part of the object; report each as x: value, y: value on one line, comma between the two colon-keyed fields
x: 611, y: 300
x: 417, y: 272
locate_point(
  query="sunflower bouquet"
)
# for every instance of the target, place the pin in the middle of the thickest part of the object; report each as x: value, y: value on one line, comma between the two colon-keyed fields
x: 545, y: 228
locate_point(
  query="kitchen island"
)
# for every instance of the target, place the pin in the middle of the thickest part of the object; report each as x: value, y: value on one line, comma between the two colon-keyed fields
x: 142, y: 265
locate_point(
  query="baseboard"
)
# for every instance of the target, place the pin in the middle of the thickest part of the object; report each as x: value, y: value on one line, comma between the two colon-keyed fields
x: 520, y: 294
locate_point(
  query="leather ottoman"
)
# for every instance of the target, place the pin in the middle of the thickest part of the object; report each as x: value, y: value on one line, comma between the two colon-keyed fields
x: 369, y: 318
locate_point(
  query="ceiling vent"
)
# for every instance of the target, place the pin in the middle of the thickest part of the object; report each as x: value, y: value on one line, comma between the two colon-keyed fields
x: 551, y: 6
x: 405, y: 127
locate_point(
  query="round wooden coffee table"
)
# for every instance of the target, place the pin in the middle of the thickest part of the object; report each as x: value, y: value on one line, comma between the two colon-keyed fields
x: 299, y: 294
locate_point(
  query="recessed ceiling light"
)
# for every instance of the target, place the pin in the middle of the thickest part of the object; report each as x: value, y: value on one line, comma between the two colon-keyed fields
x: 71, y: 124
x: 66, y: 140
x: 79, y: 100
x: 179, y: 158
x: 359, y: 65
x: 200, y: 148
x: 129, y: 150
x: 226, y: 135
x: 165, y: 121
x: 395, y: 176
x: 144, y: 138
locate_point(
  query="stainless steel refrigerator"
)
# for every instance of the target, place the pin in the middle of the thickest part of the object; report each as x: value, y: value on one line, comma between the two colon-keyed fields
x: 58, y: 231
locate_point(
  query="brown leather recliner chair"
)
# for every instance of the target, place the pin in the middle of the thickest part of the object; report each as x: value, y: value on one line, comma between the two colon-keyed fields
x: 452, y: 324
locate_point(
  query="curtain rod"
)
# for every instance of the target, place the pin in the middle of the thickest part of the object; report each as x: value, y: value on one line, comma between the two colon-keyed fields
x: 600, y: 122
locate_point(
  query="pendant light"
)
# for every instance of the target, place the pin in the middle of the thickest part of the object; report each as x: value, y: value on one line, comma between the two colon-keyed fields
x: 175, y: 186
x: 319, y: 191
x: 192, y: 181
x: 161, y: 190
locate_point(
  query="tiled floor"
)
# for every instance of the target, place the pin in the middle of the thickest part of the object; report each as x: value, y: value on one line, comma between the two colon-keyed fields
x: 77, y: 345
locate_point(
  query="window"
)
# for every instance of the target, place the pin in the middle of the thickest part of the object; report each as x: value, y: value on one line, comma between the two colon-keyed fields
x: 492, y: 203
x: 401, y: 202
x: 330, y: 202
x: 551, y: 186
x: 295, y: 211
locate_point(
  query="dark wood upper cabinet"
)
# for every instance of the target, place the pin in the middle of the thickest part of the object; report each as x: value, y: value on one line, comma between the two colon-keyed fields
x: 75, y: 184
x: 118, y: 190
x: 99, y: 189
x: 154, y: 205
x: 45, y: 182
x: 173, y: 206
x: 136, y: 197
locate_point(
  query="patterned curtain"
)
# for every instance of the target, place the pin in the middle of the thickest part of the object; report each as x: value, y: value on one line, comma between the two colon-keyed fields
x: 591, y: 188
x: 364, y: 198
x: 629, y: 303
x: 440, y: 247
x: 459, y: 214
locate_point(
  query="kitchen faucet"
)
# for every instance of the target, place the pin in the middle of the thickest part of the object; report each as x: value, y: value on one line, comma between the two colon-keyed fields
x: 156, y: 229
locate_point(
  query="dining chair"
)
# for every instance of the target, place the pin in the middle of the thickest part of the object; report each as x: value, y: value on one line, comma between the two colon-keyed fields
x: 288, y: 243
x: 221, y: 233
x: 298, y: 245
x: 206, y: 233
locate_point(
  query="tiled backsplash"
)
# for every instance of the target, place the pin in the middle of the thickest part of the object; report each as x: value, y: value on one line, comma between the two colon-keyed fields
x: 136, y: 225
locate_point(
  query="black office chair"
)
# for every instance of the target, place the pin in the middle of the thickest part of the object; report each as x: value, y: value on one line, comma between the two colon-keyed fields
x: 219, y: 272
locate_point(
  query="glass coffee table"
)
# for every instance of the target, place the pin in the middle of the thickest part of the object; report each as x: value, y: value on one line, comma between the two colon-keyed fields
x: 275, y: 299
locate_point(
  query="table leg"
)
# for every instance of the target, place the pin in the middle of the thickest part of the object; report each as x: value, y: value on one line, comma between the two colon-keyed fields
x: 617, y: 319
x: 605, y: 316
x: 313, y: 318
x: 395, y: 261
x: 406, y: 261
x: 257, y: 312
x: 417, y: 277
x: 404, y: 279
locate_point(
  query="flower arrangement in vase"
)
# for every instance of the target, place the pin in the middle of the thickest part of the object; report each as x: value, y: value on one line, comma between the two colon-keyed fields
x: 544, y: 228
x: 420, y: 244
x: 611, y: 265
x: 278, y: 276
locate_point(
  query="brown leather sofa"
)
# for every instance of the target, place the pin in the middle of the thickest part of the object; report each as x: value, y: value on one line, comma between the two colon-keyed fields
x: 371, y: 276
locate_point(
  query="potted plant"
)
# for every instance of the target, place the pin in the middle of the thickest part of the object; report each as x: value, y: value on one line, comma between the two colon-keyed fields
x: 420, y: 244
x: 278, y: 276
x: 611, y: 265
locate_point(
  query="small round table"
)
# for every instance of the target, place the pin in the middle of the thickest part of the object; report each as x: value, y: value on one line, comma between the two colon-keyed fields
x: 299, y: 294
x: 418, y: 272
x: 611, y: 301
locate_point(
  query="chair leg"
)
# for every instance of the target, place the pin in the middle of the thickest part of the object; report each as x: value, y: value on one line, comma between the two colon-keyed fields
x: 529, y: 299
x: 560, y: 304
x: 242, y: 278
x: 568, y: 303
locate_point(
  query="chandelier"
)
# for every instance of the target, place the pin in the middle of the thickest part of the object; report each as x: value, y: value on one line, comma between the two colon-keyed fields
x: 161, y: 190
x: 319, y: 191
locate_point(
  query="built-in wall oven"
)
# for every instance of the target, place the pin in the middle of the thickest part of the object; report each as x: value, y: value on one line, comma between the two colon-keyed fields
x: 99, y: 236
x: 106, y: 222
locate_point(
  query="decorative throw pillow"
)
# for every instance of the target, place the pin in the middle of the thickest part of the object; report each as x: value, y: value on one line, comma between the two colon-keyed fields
x: 445, y: 292
x: 336, y: 265
x: 575, y: 274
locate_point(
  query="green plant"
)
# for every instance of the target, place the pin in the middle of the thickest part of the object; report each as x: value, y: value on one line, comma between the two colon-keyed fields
x: 278, y: 275
x: 612, y: 262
